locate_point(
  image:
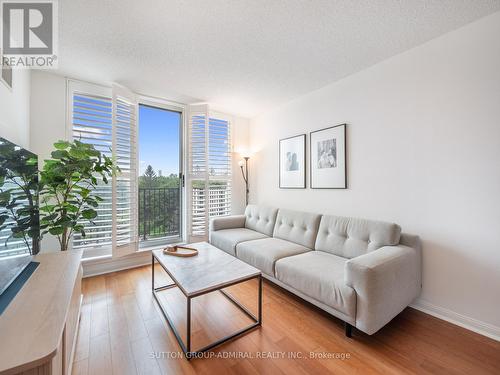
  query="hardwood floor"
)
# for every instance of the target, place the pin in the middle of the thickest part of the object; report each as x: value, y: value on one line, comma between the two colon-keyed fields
x: 122, y: 331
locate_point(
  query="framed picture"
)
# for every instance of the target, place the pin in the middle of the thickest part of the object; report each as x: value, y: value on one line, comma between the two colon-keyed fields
x: 6, y: 73
x: 328, y: 158
x: 292, y: 162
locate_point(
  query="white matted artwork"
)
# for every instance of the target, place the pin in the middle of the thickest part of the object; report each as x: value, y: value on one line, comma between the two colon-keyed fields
x: 328, y: 158
x: 292, y: 162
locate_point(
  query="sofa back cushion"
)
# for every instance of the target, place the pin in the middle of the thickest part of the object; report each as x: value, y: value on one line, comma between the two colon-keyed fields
x: 298, y: 227
x: 349, y: 237
x: 260, y: 218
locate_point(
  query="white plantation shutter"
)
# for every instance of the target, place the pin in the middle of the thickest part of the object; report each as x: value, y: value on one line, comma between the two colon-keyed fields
x: 125, y: 228
x: 198, y: 166
x: 91, y: 122
x: 209, y: 178
x: 106, y: 118
x: 219, y: 165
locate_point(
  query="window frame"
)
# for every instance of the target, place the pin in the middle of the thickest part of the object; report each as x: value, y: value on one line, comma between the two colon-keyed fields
x: 180, y: 108
x: 184, y: 150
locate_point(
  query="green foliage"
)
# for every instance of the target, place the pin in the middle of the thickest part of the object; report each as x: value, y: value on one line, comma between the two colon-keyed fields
x: 149, y: 177
x: 19, y: 195
x: 153, y: 181
x: 159, y: 205
x: 150, y: 172
x: 68, y: 181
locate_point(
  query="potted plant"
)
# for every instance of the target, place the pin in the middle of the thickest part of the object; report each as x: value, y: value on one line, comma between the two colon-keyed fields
x: 68, y: 181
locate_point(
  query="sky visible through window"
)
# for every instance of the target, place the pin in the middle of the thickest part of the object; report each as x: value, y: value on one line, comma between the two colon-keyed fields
x: 159, y: 140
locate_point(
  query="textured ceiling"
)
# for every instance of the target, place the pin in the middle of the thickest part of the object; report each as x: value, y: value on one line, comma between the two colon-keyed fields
x: 245, y: 56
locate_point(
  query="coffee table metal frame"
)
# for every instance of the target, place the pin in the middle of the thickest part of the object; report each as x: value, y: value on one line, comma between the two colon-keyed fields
x: 186, y: 348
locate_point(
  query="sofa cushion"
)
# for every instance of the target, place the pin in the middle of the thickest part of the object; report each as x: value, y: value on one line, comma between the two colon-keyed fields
x: 298, y: 227
x: 261, y: 218
x: 264, y: 253
x: 320, y: 276
x: 350, y: 237
x: 227, y: 239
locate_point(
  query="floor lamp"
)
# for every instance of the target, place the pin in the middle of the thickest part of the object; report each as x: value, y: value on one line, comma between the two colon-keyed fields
x: 244, y: 173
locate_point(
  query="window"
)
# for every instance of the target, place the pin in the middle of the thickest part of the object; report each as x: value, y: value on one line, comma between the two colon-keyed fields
x: 210, y: 168
x: 105, y: 118
x: 143, y: 205
x: 160, y: 187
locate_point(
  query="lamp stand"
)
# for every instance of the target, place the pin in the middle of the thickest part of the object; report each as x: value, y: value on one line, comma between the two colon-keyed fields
x: 244, y: 173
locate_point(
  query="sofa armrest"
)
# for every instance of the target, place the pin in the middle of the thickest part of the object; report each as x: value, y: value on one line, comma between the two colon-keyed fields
x: 227, y: 222
x: 386, y: 281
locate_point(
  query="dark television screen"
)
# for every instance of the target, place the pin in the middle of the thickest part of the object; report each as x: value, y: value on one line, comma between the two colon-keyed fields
x: 19, y: 220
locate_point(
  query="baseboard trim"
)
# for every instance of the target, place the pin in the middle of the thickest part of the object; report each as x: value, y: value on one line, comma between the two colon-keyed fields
x: 103, y: 266
x: 463, y: 321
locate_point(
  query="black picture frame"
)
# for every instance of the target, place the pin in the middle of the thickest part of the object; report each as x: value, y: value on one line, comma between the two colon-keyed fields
x: 303, y: 136
x: 311, y: 183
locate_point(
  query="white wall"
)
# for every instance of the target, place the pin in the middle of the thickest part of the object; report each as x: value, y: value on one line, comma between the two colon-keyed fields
x: 48, y: 112
x: 48, y: 124
x: 423, y: 151
x: 14, y: 109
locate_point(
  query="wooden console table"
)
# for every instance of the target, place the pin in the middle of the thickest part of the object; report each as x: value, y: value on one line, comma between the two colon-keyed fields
x: 39, y: 327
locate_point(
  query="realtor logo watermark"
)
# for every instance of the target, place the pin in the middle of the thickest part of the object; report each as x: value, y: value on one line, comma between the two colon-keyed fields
x: 29, y: 34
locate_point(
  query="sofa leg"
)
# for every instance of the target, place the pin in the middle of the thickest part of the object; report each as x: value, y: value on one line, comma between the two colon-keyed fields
x: 348, y: 330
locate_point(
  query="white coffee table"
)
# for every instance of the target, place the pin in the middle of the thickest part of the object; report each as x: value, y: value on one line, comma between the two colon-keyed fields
x: 211, y: 270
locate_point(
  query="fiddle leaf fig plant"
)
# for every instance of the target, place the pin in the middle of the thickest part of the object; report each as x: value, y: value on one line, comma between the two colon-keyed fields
x: 68, y: 182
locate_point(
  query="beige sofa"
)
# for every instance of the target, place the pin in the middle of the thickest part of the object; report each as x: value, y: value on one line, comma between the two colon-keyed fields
x: 361, y: 271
